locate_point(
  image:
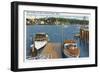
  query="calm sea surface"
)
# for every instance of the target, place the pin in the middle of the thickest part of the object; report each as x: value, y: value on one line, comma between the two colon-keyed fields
x: 56, y: 33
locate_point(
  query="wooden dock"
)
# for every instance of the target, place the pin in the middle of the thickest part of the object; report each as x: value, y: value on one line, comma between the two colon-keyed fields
x: 51, y: 51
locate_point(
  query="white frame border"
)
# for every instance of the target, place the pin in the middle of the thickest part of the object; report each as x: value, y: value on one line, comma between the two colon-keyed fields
x: 55, y: 62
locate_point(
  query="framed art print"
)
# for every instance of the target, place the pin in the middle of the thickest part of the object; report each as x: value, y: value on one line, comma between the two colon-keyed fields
x: 52, y: 36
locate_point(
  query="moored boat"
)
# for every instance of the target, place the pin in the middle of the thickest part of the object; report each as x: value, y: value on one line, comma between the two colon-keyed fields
x: 40, y: 40
x: 71, y: 49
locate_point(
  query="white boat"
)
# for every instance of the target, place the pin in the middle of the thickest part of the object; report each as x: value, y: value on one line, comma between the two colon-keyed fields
x: 39, y: 44
x: 40, y: 40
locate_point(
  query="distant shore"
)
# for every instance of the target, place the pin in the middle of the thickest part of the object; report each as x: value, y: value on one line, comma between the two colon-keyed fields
x: 55, y: 21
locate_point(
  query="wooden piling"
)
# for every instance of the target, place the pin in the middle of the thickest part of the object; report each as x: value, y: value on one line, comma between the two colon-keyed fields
x: 84, y: 35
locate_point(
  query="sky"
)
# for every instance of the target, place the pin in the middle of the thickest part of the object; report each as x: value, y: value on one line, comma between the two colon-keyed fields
x: 70, y: 15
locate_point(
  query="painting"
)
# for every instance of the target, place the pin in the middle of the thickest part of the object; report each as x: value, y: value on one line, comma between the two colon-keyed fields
x: 52, y: 36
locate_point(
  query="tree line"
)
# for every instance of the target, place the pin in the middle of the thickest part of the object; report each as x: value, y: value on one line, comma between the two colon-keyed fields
x: 55, y: 21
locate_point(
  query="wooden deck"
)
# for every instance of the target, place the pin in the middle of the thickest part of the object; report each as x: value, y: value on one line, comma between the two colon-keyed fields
x: 51, y: 51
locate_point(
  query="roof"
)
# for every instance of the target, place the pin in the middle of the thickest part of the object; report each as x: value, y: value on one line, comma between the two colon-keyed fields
x: 40, y: 36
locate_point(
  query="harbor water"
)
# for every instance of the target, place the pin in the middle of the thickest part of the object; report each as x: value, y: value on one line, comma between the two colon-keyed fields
x: 57, y: 34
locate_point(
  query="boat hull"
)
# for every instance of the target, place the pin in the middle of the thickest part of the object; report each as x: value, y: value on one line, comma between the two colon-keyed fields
x: 39, y: 44
x: 71, y: 53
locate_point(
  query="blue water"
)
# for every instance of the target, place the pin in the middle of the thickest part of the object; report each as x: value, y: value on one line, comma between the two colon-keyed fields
x: 56, y: 33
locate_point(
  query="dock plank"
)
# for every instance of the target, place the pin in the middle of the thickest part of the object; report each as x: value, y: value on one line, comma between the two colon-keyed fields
x: 52, y: 50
